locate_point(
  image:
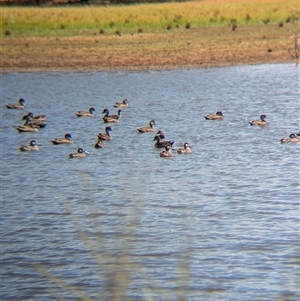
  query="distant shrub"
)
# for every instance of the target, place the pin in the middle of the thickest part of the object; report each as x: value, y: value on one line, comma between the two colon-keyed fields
x: 266, y: 21
x: 216, y: 13
x: 177, y: 19
x: 233, y: 27
x: 288, y: 20
x: 222, y: 19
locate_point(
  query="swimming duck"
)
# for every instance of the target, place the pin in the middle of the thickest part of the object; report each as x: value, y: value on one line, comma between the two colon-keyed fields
x: 86, y: 114
x: 27, y: 127
x: 106, y: 135
x: 99, y: 143
x: 32, y: 122
x: 18, y: 106
x: 32, y: 146
x: 149, y: 128
x: 160, y: 134
x: 293, y: 138
x: 162, y: 144
x: 185, y: 150
x: 81, y: 153
x: 67, y: 139
x: 111, y: 118
x: 218, y: 116
x: 167, y: 152
x: 260, y: 122
x: 122, y: 105
x: 37, y: 117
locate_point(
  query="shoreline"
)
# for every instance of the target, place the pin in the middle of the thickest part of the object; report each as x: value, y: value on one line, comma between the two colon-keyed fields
x: 135, y: 69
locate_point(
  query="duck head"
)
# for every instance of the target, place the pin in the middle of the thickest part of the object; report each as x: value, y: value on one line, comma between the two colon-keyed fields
x: 108, y: 129
x: 160, y: 134
x: 152, y: 123
x: 68, y: 136
x: 263, y: 117
x: 80, y: 150
x: 34, y: 143
x: 22, y: 101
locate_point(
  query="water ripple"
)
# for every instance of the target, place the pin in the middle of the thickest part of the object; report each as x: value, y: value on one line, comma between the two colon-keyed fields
x: 221, y: 223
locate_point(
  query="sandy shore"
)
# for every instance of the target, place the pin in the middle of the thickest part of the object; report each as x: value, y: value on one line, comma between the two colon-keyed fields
x: 196, y: 48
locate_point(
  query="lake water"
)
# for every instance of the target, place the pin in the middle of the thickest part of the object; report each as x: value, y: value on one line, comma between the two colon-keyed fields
x: 125, y: 224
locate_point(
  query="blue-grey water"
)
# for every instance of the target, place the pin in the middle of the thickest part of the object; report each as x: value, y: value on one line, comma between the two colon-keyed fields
x: 125, y: 224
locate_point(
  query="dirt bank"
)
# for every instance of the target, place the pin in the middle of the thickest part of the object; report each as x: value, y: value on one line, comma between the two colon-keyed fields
x: 192, y: 48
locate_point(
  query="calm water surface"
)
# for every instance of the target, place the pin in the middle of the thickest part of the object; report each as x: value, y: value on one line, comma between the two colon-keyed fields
x: 219, y: 224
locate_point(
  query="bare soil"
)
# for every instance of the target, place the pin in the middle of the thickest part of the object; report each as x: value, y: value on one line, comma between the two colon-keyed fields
x: 193, y: 48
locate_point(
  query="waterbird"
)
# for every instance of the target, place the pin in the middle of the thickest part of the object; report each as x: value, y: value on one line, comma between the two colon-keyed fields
x: 292, y: 138
x: 19, y: 106
x: 149, y: 128
x: 167, y: 152
x: 90, y: 113
x: 218, y: 116
x: 260, y: 122
x: 105, y: 136
x: 99, y: 143
x: 37, y: 117
x: 162, y: 144
x: 81, y: 153
x: 111, y: 118
x: 185, y: 150
x: 160, y: 134
x: 67, y: 139
x: 33, y: 145
x: 26, y: 127
x: 33, y: 122
x: 122, y: 105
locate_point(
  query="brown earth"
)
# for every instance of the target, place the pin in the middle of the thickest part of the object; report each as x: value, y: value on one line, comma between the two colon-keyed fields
x: 194, y: 48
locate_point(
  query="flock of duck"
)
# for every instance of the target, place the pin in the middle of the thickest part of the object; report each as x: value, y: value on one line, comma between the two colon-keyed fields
x: 34, y: 123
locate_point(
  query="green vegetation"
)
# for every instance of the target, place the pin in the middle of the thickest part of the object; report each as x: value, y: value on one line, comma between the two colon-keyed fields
x: 91, y: 20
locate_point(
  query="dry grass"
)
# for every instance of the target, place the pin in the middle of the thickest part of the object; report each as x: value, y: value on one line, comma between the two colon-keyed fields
x: 88, y: 20
x: 212, y: 46
x: 190, y: 34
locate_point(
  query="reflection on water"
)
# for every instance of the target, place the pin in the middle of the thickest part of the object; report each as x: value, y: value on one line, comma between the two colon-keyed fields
x: 218, y: 224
